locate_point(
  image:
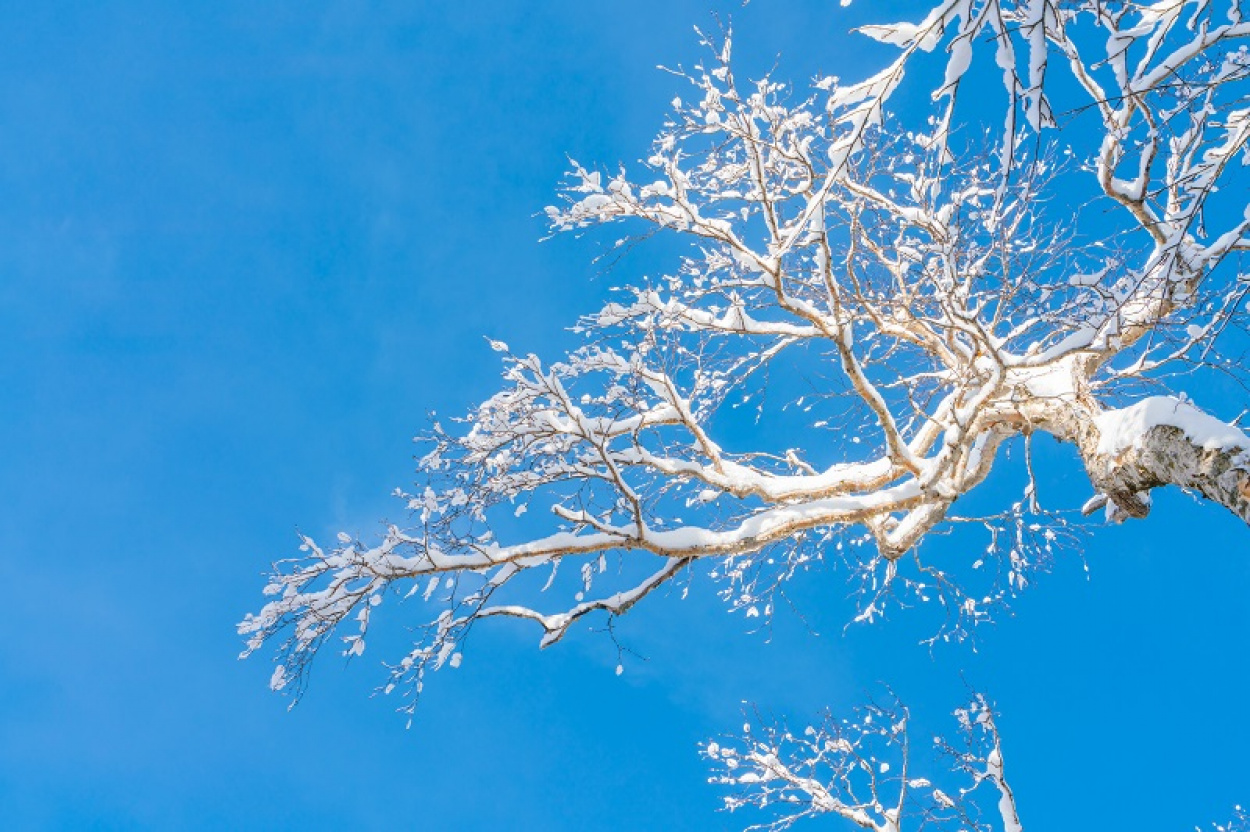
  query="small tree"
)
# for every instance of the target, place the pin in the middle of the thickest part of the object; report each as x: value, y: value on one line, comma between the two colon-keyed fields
x: 916, y: 269
x: 861, y: 770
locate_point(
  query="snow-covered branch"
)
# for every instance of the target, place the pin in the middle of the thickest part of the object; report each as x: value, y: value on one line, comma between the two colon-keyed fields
x: 933, y: 283
x: 1240, y: 822
x: 863, y: 770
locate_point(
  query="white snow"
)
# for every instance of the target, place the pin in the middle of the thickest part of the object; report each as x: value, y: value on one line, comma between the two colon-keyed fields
x: 1124, y: 428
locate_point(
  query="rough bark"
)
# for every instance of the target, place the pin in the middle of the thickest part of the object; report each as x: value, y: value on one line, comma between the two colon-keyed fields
x: 1166, y: 455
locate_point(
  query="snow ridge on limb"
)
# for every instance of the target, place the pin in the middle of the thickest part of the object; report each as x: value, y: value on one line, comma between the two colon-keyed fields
x: 912, y: 264
x: 1163, y: 440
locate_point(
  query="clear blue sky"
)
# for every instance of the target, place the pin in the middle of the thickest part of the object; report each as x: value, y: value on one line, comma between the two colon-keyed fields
x: 244, y: 248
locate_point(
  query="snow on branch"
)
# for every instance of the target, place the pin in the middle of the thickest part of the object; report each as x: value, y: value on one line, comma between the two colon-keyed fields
x: 863, y: 769
x: 945, y: 284
x: 1240, y: 822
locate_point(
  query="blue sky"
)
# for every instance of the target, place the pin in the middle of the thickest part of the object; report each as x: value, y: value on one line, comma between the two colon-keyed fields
x: 245, y: 248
